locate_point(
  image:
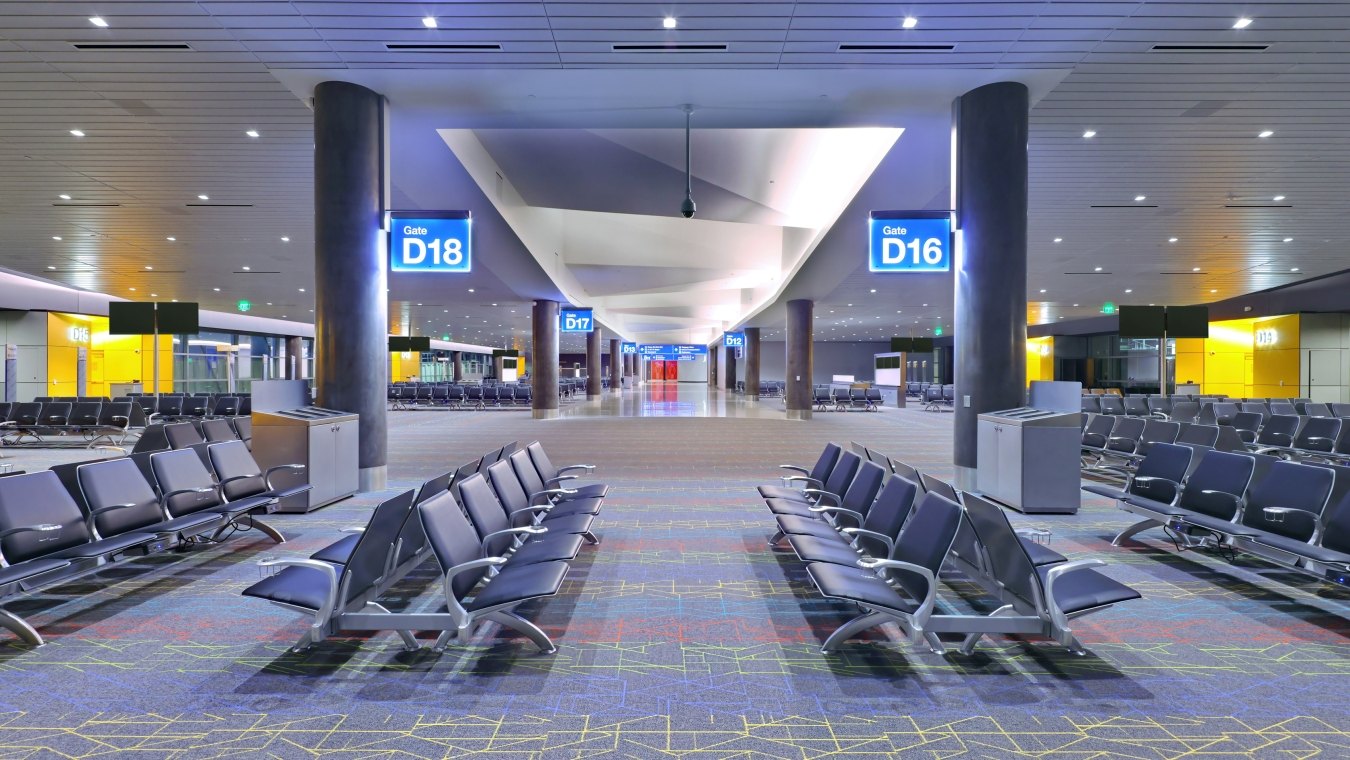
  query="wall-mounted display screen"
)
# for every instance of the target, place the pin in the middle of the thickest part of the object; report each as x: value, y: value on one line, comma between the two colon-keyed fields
x: 131, y: 318
x: 922, y: 346
x: 400, y: 343
x: 1142, y: 321
x: 1188, y: 321
x: 177, y: 318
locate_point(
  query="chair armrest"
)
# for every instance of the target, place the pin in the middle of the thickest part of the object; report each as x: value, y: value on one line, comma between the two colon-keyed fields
x: 865, y: 533
x: 94, y: 513
x: 1227, y: 498
x: 1277, y: 514
x: 812, y: 482
x: 586, y: 467
x: 930, y: 596
x: 164, y: 500
x: 838, y: 511
x: 822, y: 495
x: 528, y: 530
x: 1149, y: 481
x: 353, y: 529
x: 38, y: 528
x: 549, y: 493
x: 457, y: 612
x: 532, y: 511
x: 794, y: 468
x: 267, y: 476
x: 556, y: 480
x: 227, y: 481
x: 1057, y: 615
x: 59, y: 420
x: 329, y: 570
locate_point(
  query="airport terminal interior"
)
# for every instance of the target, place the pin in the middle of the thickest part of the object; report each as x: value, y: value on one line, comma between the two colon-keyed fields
x: 686, y: 379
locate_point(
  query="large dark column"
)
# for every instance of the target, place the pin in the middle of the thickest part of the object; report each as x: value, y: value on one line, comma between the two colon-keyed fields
x: 800, y: 342
x: 752, y: 363
x: 991, y: 265
x: 593, y: 368
x: 712, y: 366
x: 729, y: 368
x: 295, y: 356
x: 456, y: 366
x: 544, y: 370
x: 351, y: 323
x: 615, y: 373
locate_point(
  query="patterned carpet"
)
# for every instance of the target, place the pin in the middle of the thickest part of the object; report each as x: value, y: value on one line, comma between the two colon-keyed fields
x: 681, y: 635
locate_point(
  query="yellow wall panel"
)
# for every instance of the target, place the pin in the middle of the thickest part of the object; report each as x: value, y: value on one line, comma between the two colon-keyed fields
x: 1040, y: 359
x: 1275, y: 357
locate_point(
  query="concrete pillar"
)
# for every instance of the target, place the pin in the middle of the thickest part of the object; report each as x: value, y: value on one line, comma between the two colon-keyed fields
x: 990, y: 329
x: 615, y: 373
x: 457, y: 366
x: 593, y: 369
x: 351, y: 323
x: 752, y: 363
x: 800, y: 341
x: 712, y: 367
x: 544, y: 370
x: 295, y: 354
x: 729, y: 368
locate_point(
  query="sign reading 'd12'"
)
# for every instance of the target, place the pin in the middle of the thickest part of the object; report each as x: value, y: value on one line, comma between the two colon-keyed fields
x: 733, y: 340
x: 576, y: 320
x: 429, y: 241
x: 909, y: 241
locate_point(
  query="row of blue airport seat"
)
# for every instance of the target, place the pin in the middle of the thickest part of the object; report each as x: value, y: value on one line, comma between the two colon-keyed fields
x: 825, y: 397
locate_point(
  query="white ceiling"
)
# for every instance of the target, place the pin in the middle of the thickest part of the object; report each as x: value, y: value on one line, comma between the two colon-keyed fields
x: 1179, y: 128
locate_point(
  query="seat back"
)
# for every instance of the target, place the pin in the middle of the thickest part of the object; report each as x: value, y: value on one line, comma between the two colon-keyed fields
x: 1224, y: 411
x: 523, y: 466
x: 1257, y: 407
x: 55, y: 414
x: 232, y: 459
x: 38, y: 498
x: 182, y: 435
x: 1318, y: 434
x: 226, y: 406
x: 485, y: 511
x: 182, y: 469
x: 1296, y: 486
x: 1160, y: 405
x: 1313, y: 410
x: 453, y: 540
x: 907, y: 472
x: 1126, y: 434
x: 1247, y: 421
x: 1168, y: 461
x: 1112, y: 405
x: 369, y: 561
x: 196, y: 406
x: 1156, y: 432
x: 1091, y: 405
x: 1184, y: 411
x: 1221, y: 471
x: 843, y: 473
x: 1098, y: 430
x: 888, y: 515
x: 1198, y: 435
x: 26, y: 414
x: 1340, y: 410
x: 1279, y: 430
x: 926, y: 540
x: 1285, y: 407
x: 862, y: 491
x: 85, y: 414
x: 1008, y: 562
x: 1136, y: 406
x: 490, y: 458
x: 115, y: 414
x: 170, y: 406
x: 510, y: 492
x: 118, y: 481
x: 218, y: 430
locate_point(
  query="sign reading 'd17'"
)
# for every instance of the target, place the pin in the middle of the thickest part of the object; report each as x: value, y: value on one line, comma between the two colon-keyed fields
x: 733, y: 340
x: 576, y: 320
x: 429, y: 241
x: 909, y: 241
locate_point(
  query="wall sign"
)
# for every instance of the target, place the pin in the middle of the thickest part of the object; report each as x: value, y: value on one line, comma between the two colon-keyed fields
x: 909, y: 241
x: 77, y: 334
x: 672, y: 351
x: 628, y: 348
x: 429, y: 241
x: 733, y: 340
x: 576, y: 320
x: 1266, y: 336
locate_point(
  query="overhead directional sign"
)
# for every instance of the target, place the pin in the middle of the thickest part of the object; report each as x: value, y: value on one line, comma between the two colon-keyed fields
x: 429, y: 241
x: 672, y: 351
x: 733, y: 339
x: 909, y: 241
x: 576, y: 320
x: 628, y: 348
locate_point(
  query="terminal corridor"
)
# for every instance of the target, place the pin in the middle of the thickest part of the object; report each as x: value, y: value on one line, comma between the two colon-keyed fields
x: 681, y: 635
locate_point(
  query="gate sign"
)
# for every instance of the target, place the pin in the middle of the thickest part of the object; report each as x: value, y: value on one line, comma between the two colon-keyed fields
x: 672, y: 351
x: 628, y: 348
x: 733, y: 340
x: 576, y: 320
x: 910, y: 241
x: 429, y: 241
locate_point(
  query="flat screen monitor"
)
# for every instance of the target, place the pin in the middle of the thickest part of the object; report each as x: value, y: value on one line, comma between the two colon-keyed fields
x: 1188, y: 321
x: 1142, y: 321
x: 508, y: 362
x: 419, y: 343
x: 902, y: 345
x: 131, y: 318
x: 177, y: 318
x: 923, y: 346
x: 400, y: 343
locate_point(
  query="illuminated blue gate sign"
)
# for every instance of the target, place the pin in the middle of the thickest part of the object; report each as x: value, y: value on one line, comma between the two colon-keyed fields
x: 672, y: 351
x: 628, y: 348
x: 909, y: 241
x: 733, y: 340
x: 429, y: 241
x: 576, y: 320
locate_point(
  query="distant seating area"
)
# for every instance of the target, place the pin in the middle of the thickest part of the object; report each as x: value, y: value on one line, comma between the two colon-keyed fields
x: 488, y: 394
x: 827, y: 398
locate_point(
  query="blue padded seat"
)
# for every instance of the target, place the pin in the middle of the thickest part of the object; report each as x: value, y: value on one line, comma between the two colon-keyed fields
x: 338, y: 551
x: 1086, y: 589
x: 302, y: 587
x: 858, y: 585
x: 1304, y: 549
x: 518, y: 583
x: 30, y: 569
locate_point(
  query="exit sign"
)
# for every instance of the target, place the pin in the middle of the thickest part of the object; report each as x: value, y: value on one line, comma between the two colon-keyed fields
x: 1108, y: 308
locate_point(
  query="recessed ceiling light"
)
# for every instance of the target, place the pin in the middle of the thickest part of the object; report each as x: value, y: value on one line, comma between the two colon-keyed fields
x: 1214, y: 291
x: 77, y: 132
x: 1266, y: 133
x: 1138, y: 198
x: 269, y: 303
x: 98, y: 22
x: 1278, y: 198
x: 1129, y: 290
x: 873, y: 290
x: 470, y: 290
x: 669, y: 22
x: 252, y: 133
x: 1096, y: 269
x: 1293, y: 269
x: 216, y: 289
x: 244, y: 268
x: 1059, y: 240
x: 171, y: 238
x: 203, y: 198
x: 49, y: 266
x: 1288, y: 240
x: 302, y: 290
x: 1089, y: 133
x: 63, y: 197
x: 149, y: 269
x: 910, y: 22
x: 1172, y: 240
x: 56, y: 237
x: 429, y: 22
x: 154, y: 295
x: 1195, y: 269
x: 285, y: 239
x: 1042, y: 290
x: 133, y: 290
x: 1242, y: 23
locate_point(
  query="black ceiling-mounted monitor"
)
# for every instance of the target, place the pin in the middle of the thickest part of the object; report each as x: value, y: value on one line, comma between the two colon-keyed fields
x: 131, y: 318
x: 177, y: 318
x: 1188, y: 321
x: 923, y: 346
x: 419, y: 343
x: 900, y: 345
x: 1142, y: 321
x: 400, y: 343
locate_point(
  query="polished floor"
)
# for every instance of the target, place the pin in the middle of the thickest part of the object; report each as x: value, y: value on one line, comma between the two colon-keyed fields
x: 681, y: 635
x: 676, y: 399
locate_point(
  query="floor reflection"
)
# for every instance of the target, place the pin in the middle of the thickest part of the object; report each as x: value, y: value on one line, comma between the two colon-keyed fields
x: 675, y: 399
